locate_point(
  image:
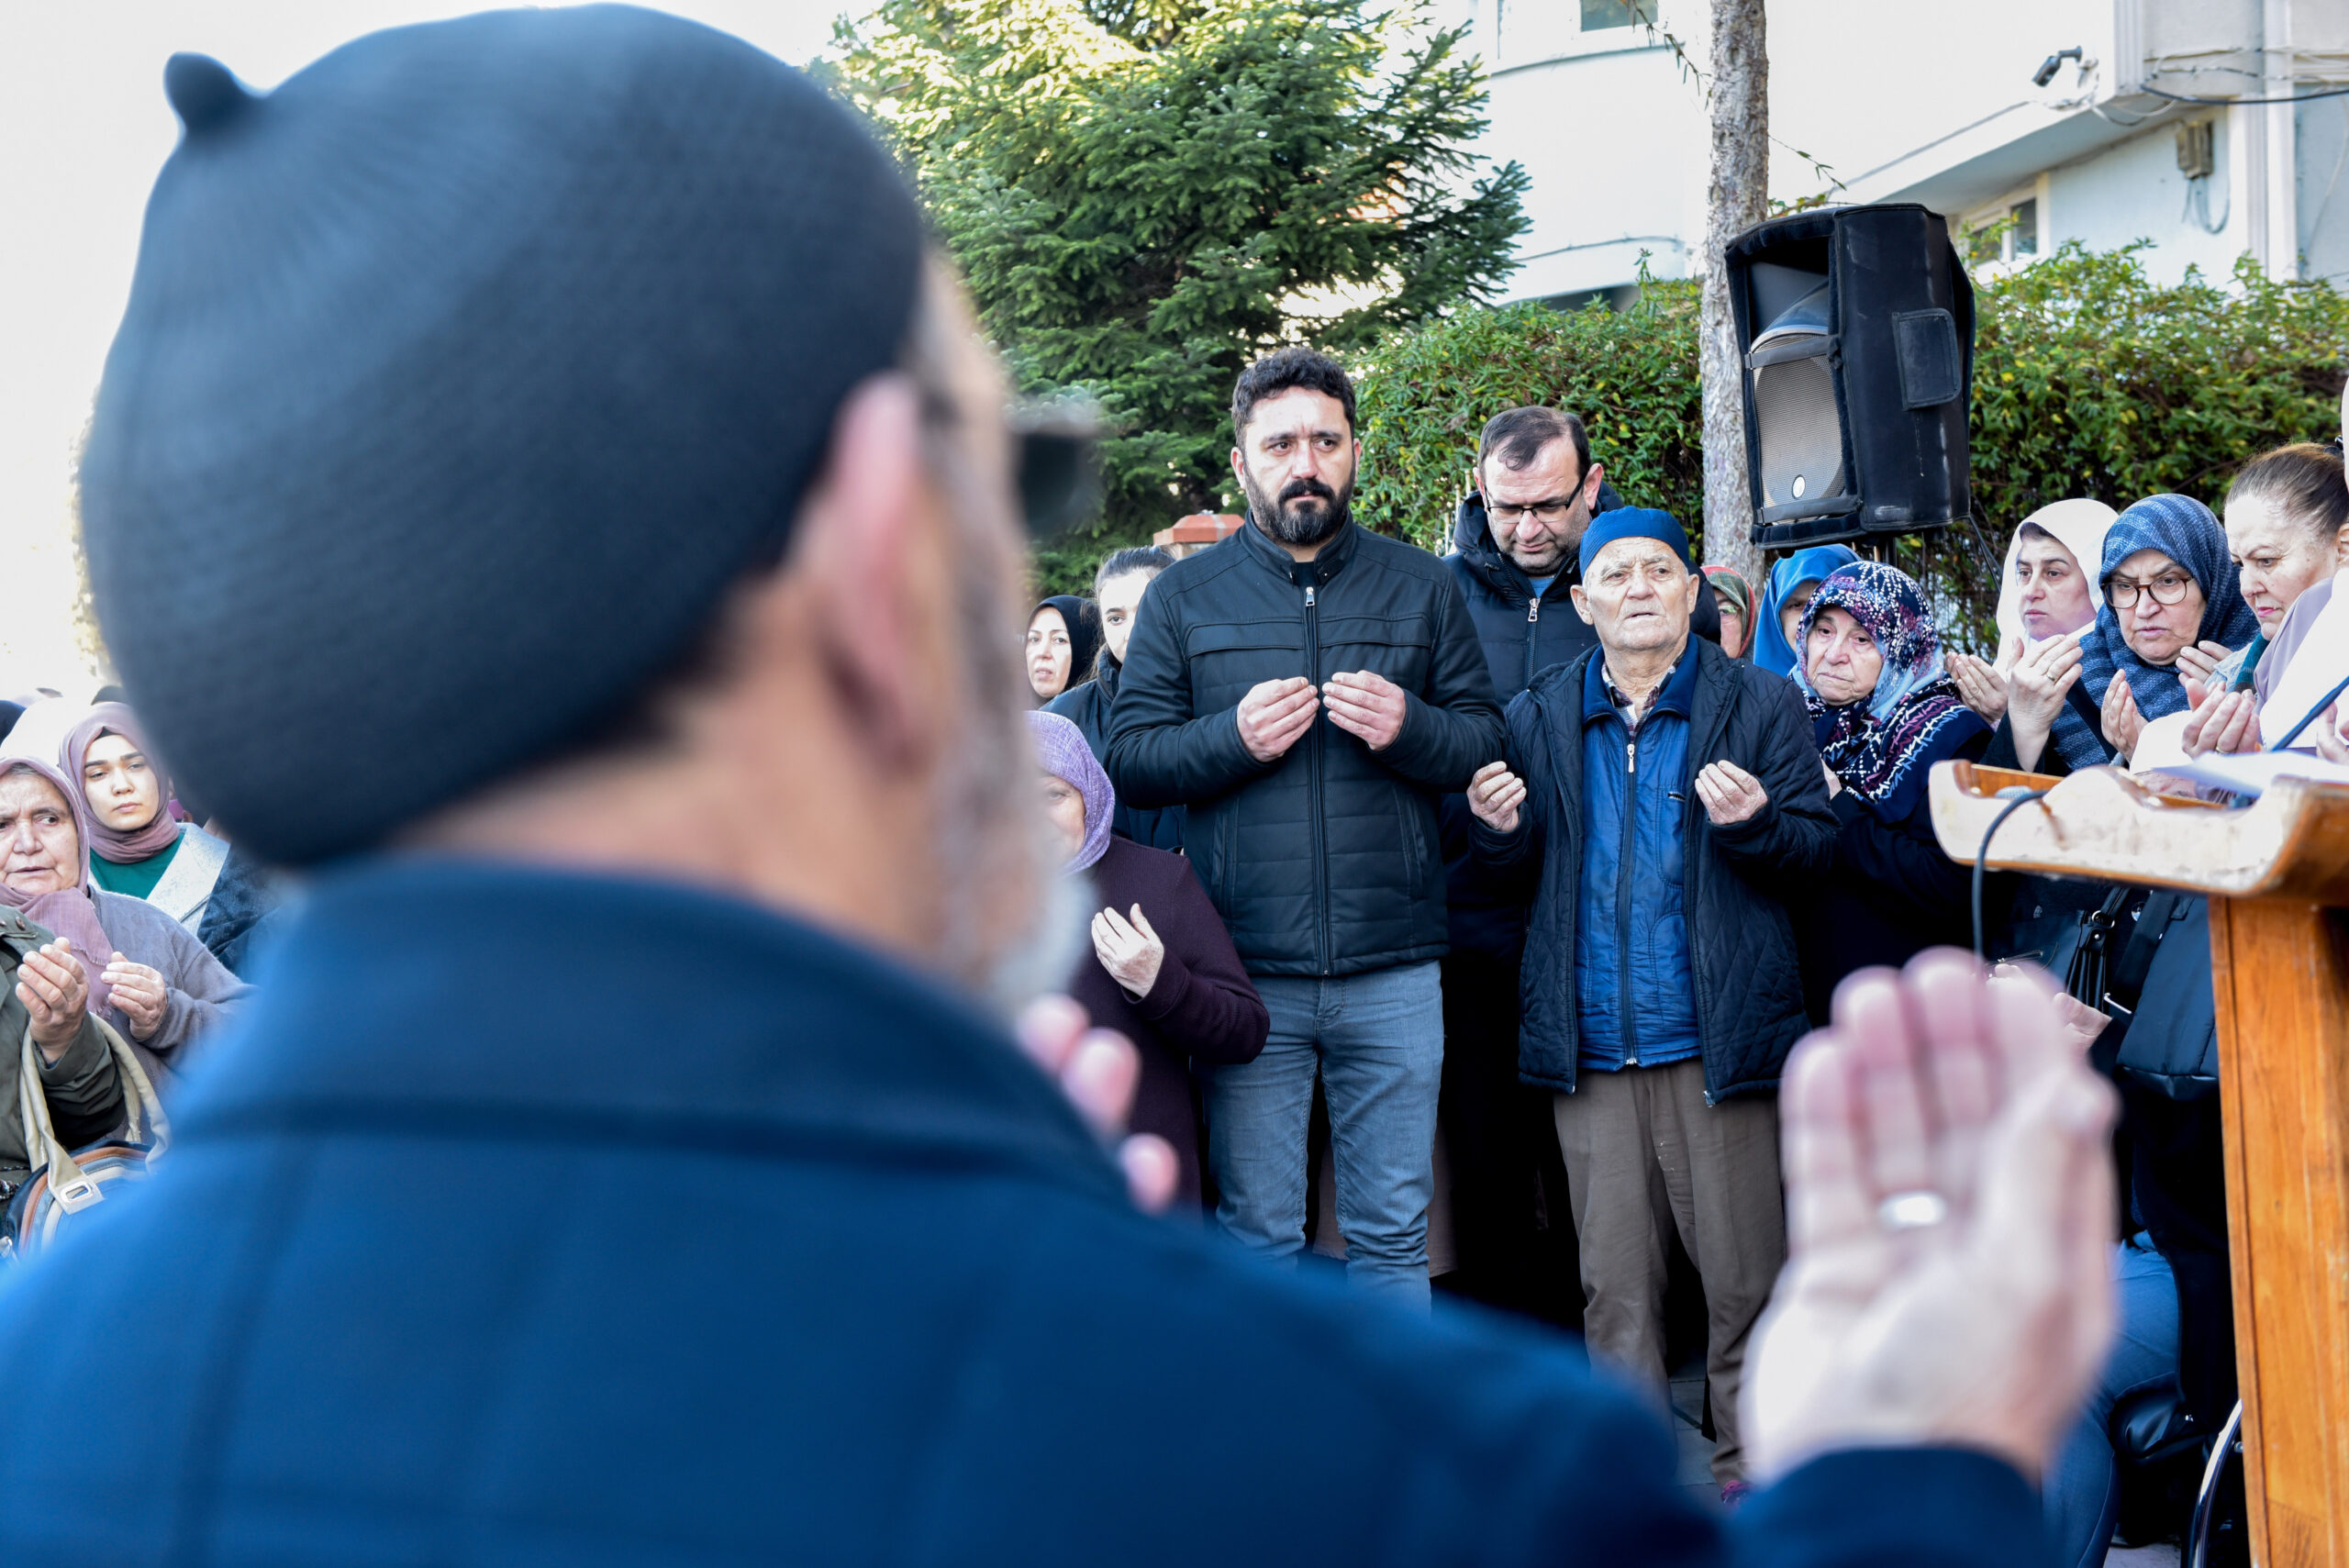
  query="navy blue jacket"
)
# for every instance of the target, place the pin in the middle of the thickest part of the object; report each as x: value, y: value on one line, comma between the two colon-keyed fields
x: 539, y: 1218
x: 1522, y: 634
x: 1635, y: 1002
x: 1736, y: 881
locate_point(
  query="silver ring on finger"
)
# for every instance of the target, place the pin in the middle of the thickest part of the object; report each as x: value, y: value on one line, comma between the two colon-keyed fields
x: 1917, y: 1209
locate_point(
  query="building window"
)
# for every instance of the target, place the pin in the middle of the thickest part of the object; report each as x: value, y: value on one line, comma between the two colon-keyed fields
x: 1599, y: 15
x: 2007, y: 233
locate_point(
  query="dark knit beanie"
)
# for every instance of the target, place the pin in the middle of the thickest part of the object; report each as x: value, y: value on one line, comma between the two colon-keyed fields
x: 462, y: 376
x: 1632, y: 522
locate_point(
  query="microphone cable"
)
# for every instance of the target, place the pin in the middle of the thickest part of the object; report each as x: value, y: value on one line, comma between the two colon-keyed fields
x: 2017, y: 797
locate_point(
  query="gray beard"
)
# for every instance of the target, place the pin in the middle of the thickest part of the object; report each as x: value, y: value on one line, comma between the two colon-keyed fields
x: 992, y: 843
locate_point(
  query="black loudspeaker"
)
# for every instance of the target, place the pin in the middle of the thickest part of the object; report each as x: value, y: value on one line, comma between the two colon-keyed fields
x: 1856, y: 325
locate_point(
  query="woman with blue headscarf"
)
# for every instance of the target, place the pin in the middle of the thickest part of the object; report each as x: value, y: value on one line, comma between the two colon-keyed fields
x: 2170, y: 608
x: 1785, y: 597
x: 1882, y: 711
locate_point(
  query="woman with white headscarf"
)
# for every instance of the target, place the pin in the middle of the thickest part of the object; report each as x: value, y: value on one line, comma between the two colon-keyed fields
x: 2048, y: 589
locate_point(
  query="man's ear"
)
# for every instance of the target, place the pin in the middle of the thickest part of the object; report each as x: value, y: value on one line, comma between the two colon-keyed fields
x: 1593, y: 480
x: 1582, y: 603
x: 875, y: 592
x: 1240, y: 470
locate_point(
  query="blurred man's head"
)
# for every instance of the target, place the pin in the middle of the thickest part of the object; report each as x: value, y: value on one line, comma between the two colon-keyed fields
x: 1295, y: 451
x: 1534, y: 471
x: 601, y: 477
x: 1637, y: 589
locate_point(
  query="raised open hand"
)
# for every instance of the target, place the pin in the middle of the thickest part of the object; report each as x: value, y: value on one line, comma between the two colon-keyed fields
x: 2122, y: 723
x: 1982, y: 687
x: 2036, y: 690
x: 2197, y: 660
x: 56, y: 993
x: 1950, y: 1217
x: 137, y: 991
x: 2221, y: 721
x: 1098, y: 1071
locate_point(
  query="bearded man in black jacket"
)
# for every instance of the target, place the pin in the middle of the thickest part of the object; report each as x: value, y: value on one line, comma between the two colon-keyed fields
x: 1310, y: 690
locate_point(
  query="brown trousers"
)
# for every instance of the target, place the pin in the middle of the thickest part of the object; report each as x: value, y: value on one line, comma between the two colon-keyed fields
x: 1644, y: 1151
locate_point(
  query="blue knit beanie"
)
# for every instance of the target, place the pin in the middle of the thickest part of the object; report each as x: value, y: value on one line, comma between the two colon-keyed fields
x: 462, y: 376
x: 1632, y: 522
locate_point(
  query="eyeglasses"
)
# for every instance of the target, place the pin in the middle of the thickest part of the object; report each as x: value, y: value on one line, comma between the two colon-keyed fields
x: 2167, y: 589
x: 1550, y: 511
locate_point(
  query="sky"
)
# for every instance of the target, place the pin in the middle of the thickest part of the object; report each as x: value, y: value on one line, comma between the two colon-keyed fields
x: 83, y: 129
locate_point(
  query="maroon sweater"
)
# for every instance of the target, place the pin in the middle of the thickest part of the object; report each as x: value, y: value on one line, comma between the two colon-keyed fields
x: 1203, y: 1007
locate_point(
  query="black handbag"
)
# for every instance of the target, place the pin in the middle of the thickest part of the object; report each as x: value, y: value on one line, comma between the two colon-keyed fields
x: 2088, y: 970
x: 2172, y: 1046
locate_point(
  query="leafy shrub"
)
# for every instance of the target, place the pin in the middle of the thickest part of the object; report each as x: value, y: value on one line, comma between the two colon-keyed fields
x: 2089, y: 379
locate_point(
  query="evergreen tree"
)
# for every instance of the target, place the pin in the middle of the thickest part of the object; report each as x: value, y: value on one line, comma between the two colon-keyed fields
x: 1145, y: 194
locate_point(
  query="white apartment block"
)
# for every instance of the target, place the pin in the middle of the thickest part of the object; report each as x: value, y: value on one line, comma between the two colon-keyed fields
x: 1950, y: 102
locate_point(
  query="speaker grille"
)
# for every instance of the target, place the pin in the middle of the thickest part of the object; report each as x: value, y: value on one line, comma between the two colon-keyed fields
x: 1802, y: 441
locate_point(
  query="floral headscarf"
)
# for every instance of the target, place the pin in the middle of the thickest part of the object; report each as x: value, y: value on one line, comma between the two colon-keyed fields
x: 1883, y: 748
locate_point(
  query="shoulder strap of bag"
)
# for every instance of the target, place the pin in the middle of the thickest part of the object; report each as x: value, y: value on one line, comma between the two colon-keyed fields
x: 67, y: 1184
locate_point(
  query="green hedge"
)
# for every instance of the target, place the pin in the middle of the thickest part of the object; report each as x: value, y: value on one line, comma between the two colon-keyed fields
x: 2089, y: 380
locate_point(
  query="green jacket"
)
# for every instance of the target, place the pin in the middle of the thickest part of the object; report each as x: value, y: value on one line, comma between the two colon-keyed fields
x: 83, y: 1086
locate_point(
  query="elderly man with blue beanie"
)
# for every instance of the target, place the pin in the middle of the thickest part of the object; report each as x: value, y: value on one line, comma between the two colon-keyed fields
x: 545, y: 485
x: 1661, y: 798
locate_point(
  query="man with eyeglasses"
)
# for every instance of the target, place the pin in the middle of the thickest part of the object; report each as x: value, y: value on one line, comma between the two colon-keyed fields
x: 1515, y: 560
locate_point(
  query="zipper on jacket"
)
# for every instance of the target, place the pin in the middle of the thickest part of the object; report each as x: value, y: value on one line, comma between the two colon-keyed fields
x: 1313, y: 769
x: 1623, y: 892
x: 1532, y: 638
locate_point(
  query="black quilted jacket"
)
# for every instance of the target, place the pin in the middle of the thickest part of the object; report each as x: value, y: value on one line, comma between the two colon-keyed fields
x: 1325, y: 861
x: 1737, y: 879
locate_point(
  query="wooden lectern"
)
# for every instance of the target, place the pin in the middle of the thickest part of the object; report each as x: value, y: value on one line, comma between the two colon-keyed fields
x: 2278, y: 874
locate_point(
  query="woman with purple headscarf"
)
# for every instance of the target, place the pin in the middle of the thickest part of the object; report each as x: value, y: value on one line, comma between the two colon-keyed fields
x: 1163, y: 971
x: 140, y: 850
x: 1882, y: 711
x: 147, y: 974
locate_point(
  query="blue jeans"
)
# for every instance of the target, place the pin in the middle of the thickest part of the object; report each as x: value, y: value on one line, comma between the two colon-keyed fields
x: 1377, y: 1041
x: 2083, y: 1491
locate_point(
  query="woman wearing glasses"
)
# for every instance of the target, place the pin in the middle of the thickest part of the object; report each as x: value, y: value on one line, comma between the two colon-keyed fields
x: 2171, y: 609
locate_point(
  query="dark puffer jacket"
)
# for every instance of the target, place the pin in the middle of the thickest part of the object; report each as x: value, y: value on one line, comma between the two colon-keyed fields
x: 1734, y: 880
x: 1522, y: 636
x: 1324, y: 861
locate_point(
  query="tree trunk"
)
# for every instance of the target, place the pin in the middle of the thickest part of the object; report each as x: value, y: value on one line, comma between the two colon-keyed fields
x: 1737, y: 197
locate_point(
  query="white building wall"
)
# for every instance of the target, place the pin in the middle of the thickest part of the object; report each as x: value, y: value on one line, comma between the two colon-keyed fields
x: 2134, y: 190
x: 1916, y: 100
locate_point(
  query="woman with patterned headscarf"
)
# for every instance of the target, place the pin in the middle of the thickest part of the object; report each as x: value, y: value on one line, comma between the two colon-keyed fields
x: 2169, y: 608
x: 1882, y: 711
